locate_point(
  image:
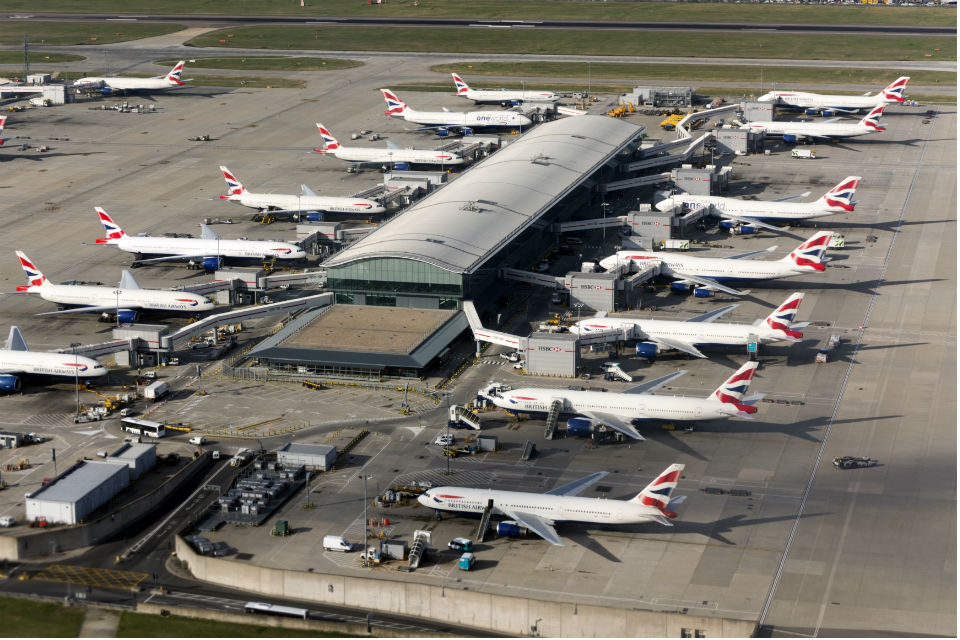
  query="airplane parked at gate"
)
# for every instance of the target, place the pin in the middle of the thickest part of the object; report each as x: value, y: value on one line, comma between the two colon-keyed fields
x: 540, y: 512
x: 706, y: 274
x: 113, y: 83
x: 827, y: 130
x: 837, y: 200
x: 847, y: 104
x: 392, y: 155
x: 446, y: 121
x: 619, y: 410
x: 125, y: 300
x: 309, y: 201
x: 656, y: 336
x: 504, y: 97
x: 209, y: 246
x: 17, y: 360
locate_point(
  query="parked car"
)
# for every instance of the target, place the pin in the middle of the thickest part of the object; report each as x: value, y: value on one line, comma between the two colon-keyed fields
x: 7, y: 521
x: 444, y: 439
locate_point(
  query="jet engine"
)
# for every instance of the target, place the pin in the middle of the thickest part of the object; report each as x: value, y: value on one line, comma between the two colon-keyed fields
x: 578, y: 426
x: 647, y: 350
x: 510, y: 529
x: 9, y: 383
x: 789, y: 137
x: 127, y: 316
x: 212, y: 263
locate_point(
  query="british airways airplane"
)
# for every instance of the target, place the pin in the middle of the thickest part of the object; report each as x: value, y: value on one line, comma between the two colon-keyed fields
x: 504, y: 97
x: 541, y: 512
x: 392, y: 155
x: 827, y: 130
x: 279, y: 204
x: 113, y: 83
x: 209, y: 247
x: 126, y: 300
x: 892, y: 94
x: 17, y: 360
x: 619, y: 410
x: 444, y: 121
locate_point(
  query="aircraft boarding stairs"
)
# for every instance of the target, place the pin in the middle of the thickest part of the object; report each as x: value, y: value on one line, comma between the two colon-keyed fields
x: 485, y: 520
x: 552, y: 418
x: 614, y: 370
x: 421, y: 539
x: 460, y: 415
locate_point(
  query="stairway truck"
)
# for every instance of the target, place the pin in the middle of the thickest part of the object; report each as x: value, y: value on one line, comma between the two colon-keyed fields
x: 156, y: 391
x: 510, y: 529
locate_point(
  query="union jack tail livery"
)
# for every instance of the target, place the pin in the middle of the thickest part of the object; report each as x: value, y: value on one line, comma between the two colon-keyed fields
x: 872, y: 119
x: 657, y: 493
x: 894, y: 92
x: 329, y: 142
x: 174, y: 75
x: 782, y: 318
x: 34, y: 277
x: 395, y: 106
x: 3, y: 122
x: 840, y: 198
x: 462, y: 86
x: 234, y: 188
x: 810, y: 253
x: 732, y: 391
x: 113, y: 232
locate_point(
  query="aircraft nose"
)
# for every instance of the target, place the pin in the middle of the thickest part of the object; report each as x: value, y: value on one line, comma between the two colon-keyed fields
x: 664, y: 205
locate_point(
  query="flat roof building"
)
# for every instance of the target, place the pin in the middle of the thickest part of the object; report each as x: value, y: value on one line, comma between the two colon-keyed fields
x: 311, y: 456
x: 78, y: 491
x: 449, y: 246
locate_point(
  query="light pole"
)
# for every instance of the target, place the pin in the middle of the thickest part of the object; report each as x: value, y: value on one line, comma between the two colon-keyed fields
x: 578, y: 305
x: 604, y: 205
x: 117, y: 293
x: 76, y: 373
x: 365, y: 478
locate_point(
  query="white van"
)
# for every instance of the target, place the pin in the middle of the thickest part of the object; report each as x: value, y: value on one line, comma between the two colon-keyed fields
x: 336, y: 543
x: 7, y: 521
x: 198, y: 440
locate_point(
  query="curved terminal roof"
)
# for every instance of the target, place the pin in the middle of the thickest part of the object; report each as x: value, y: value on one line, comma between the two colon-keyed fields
x: 460, y: 225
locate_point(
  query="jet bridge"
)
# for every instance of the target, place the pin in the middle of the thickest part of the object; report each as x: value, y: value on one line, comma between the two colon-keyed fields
x: 661, y: 161
x: 530, y: 277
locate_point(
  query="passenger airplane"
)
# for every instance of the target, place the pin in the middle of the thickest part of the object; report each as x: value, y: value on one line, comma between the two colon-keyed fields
x: 657, y: 336
x: 826, y: 130
x: 838, y: 200
x: 539, y: 512
x: 393, y: 154
x: 707, y: 273
x: 124, y: 300
x: 619, y: 410
x: 209, y: 246
x: 17, y: 360
x: 444, y: 121
x: 112, y: 83
x: 504, y: 97
x: 826, y: 102
x: 282, y: 204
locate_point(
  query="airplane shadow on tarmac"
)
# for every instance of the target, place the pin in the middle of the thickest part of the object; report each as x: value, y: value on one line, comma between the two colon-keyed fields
x: 42, y: 156
x: 715, y: 530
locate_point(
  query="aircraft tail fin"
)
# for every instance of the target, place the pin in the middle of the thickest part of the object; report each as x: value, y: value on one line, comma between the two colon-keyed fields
x: 3, y: 123
x: 840, y: 198
x: 395, y: 106
x: 732, y: 391
x: 657, y: 493
x: 15, y: 341
x: 872, y: 120
x: 810, y: 253
x: 782, y: 317
x: 462, y: 86
x: 329, y: 142
x: 35, y: 277
x: 235, y: 188
x: 112, y: 230
x: 127, y: 281
x: 174, y: 76
x: 894, y: 91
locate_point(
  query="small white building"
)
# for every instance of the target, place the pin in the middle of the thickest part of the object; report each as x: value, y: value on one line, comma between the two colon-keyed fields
x: 317, y: 457
x: 77, y: 492
x: 139, y: 457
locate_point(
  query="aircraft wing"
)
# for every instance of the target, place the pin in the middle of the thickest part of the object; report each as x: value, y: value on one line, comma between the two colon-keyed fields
x: 686, y: 347
x: 653, y: 385
x: 753, y: 222
x: 831, y: 120
x: 111, y: 307
x: 614, y: 422
x: 540, y: 526
x: 710, y: 316
x: 750, y: 254
x: 182, y: 256
x: 709, y: 282
x: 575, y: 487
x: 789, y: 198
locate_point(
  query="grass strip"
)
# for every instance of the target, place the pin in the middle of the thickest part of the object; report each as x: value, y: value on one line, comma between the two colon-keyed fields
x: 263, y: 63
x: 67, y: 33
x: 641, y: 72
x: 27, y: 618
x: 746, y: 13
x: 583, y: 42
x: 38, y: 57
x: 144, y: 625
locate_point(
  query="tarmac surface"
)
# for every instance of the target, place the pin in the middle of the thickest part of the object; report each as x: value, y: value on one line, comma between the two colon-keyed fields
x: 770, y: 531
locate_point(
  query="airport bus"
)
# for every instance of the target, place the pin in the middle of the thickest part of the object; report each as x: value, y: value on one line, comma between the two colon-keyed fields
x: 268, y: 609
x: 139, y: 427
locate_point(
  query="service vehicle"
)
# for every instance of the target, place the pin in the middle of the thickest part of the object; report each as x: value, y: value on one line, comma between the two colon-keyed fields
x: 444, y: 439
x: 156, y: 390
x: 140, y: 427
x: 336, y: 543
x: 853, y: 462
x: 466, y: 562
x: 7, y: 521
x: 803, y: 153
x: 198, y: 440
x: 460, y: 544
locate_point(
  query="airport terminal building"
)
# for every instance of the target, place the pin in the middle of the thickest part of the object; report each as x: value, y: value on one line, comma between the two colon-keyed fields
x: 449, y: 246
